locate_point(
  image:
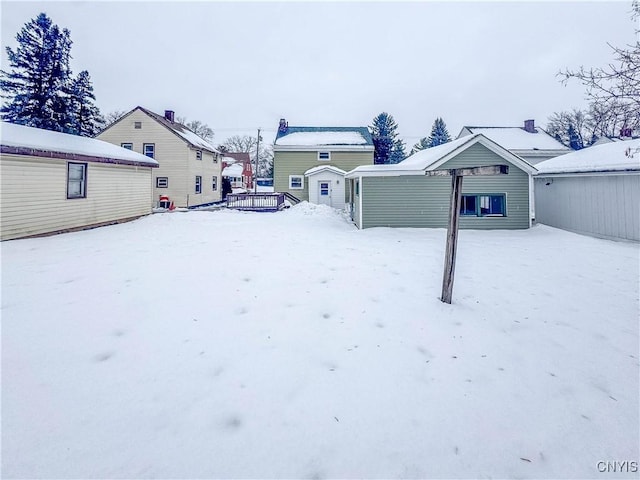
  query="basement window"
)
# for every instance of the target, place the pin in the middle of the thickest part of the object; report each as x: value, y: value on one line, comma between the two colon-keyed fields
x: 484, y: 205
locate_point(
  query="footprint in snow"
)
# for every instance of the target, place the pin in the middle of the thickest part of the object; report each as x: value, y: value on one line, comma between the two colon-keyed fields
x: 103, y: 357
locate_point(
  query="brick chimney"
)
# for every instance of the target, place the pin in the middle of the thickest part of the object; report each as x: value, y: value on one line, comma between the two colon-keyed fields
x: 283, y: 125
x: 169, y: 115
x: 529, y: 126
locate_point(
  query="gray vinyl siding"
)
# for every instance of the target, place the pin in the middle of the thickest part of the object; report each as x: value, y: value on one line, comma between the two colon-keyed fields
x: 421, y: 201
x: 296, y: 163
x: 34, y: 195
x: 606, y: 206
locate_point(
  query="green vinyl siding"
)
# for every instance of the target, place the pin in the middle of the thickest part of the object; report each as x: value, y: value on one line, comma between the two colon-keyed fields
x: 296, y: 163
x: 421, y: 201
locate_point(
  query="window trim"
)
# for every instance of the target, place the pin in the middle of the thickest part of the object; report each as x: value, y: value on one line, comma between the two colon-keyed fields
x: 199, y: 155
x: 328, y: 159
x: 144, y: 149
x: 301, y: 187
x: 478, y: 212
x: 127, y: 145
x: 198, y: 185
x: 166, y: 182
x: 83, y: 181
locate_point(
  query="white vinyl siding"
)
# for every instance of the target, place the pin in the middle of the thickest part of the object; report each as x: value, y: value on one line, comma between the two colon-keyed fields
x: 34, y: 195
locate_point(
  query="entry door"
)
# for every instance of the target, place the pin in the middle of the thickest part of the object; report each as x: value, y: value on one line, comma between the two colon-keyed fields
x: 324, y: 192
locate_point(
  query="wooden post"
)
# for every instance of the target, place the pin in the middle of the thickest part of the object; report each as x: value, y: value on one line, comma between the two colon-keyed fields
x: 452, y: 237
x: 457, y: 175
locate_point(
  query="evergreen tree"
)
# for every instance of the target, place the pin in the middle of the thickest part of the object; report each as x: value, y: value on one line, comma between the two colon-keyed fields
x: 39, y: 80
x: 421, y: 145
x: 84, y: 116
x: 388, y: 147
x: 439, y: 133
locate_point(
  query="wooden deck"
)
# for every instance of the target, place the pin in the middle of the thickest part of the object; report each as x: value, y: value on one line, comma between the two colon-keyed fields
x: 256, y: 202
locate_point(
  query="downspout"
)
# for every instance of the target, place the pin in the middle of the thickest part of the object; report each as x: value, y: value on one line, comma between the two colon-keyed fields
x: 532, y: 204
x: 361, y: 226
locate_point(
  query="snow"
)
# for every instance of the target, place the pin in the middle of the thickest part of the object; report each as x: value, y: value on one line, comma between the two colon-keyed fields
x: 233, y: 170
x: 194, y: 139
x: 325, y: 138
x: 322, y: 168
x: 516, y: 138
x: 296, y: 346
x: 598, y: 158
x: 39, y: 139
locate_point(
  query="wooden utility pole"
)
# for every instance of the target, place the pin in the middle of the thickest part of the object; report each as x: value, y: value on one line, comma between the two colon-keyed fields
x: 457, y: 175
x: 255, y: 173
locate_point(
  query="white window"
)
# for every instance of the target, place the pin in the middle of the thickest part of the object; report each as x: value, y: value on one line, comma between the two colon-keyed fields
x: 326, y: 156
x: 128, y: 146
x: 214, y: 183
x: 198, y: 184
x: 296, y: 182
x: 215, y: 158
x: 198, y: 154
x: 162, y: 182
x: 149, y: 149
x: 76, y: 180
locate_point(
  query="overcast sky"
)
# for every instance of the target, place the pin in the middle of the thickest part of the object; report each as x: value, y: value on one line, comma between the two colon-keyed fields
x: 238, y: 66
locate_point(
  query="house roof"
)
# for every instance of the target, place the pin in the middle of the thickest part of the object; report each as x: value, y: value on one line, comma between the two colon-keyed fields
x: 23, y: 140
x: 432, y: 158
x: 177, y: 128
x: 238, y: 156
x: 233, y: 170
x: 608, y: 157
x: 517, y: 138
x: 324, y: 168
x: 314, y: 137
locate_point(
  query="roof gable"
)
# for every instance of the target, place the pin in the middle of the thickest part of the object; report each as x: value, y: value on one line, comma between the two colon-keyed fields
x: 434, y: 157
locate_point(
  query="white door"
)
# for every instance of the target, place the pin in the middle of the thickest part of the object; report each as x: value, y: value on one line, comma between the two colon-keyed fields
x: 324, y: 192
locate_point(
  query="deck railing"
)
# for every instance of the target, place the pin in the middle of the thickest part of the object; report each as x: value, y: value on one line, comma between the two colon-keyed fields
x: 257, y: 202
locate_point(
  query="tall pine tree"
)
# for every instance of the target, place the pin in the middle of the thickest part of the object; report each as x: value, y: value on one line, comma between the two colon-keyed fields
x: 388, y: 147
x: 439, y: 133
x: 39, y: 89
x: 84, y: 115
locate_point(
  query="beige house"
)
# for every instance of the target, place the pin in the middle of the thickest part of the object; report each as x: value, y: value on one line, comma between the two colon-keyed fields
x: 189, y: 172
x: 309, y: 163
x: 53, y: 182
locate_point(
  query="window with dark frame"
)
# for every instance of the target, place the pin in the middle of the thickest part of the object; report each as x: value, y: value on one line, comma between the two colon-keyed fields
x: 149, y: 149
x: 128, y: 146
x: 198, y: 154
x: 484, y: 205
x: 137, y: 125
x: 162, y: 182
x: 76, y: 180
x: 214, y: 183
x: 198, y: 184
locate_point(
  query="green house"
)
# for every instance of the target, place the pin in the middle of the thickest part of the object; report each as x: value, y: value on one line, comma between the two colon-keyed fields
x: 309, y: 163
x: 401, y: 195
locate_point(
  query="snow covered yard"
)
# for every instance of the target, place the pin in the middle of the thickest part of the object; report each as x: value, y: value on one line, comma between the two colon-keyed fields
x: 250, y: 345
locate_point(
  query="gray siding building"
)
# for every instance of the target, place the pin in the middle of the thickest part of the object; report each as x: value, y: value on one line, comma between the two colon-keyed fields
x: 594, y: 191
x: 402, y: 195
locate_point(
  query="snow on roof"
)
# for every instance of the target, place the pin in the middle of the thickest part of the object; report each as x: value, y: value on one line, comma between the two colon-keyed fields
x: 194, y: 139
x: 612, y: 156
x: 322, y: 139
x: 321, y: 168
x: 517, y: 138
x: 432, y: 158
x: 20, y: 136
x: 233, y: 170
